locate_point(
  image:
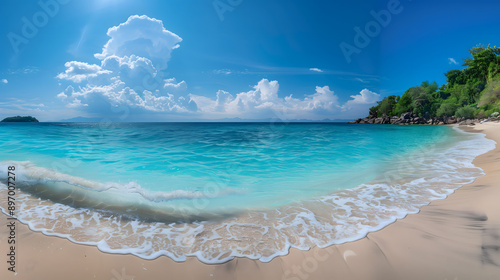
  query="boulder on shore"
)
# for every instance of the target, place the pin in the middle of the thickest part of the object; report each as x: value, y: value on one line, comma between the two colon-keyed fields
x: 410, y: 118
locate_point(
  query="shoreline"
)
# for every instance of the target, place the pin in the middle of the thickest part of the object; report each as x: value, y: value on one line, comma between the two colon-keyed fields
x: 454, y: 238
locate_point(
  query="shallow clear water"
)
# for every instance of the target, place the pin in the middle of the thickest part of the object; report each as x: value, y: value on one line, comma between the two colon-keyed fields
x: 239, y: 165
x: 230, y: 189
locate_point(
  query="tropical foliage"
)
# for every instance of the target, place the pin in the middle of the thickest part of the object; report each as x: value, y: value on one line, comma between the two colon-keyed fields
x: 20, y: 119
x: 472, y: 92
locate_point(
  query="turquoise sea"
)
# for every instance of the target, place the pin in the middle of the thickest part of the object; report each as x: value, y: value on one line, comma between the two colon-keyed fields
x: 223, y: 190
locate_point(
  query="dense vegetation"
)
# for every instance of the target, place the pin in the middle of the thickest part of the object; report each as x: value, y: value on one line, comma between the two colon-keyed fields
x: 20, y: 119
x: 473, y: 92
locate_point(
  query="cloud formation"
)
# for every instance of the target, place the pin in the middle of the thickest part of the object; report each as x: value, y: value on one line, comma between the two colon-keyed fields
x: 263, y: 102
x: 141, y: 36
x: 223, y: 71
x: 4, y: 81
x: 452, y: 61
x: 316, y: 70
x: 131, y: 74
x: 365, y: 97
x: 80, y: 71
x: 26, y: 70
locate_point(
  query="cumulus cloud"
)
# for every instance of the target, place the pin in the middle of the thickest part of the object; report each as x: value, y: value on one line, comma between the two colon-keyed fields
x: 452, y: 61
x: 80, y: 71
x: 365, y: 97
x: 131, y: 74
x: 316, y: 70
x: 4, y: 81
x: 143, y: 37
x: 172, y: 86
x: 264, y: 102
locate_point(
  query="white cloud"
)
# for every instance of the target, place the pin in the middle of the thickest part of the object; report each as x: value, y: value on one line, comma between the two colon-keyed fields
x: 363, y: 98
x: 316, y: 70
x: 172, y: 86
x: 452, y: 61
x: 264, y: 97
x: 223, y: 71
x: 263, y: 102
x: 27, y: 70
x: 143, y: 37
x: 130, y: 74
x: 21, y: 106
x: 80, y: 71
x: 4, y: 81
x: 361, y: 80
x: 62, y: 96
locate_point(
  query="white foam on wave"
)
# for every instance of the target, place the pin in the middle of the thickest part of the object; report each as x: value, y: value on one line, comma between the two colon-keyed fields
x: 414, y: 181
x: 31, y: 174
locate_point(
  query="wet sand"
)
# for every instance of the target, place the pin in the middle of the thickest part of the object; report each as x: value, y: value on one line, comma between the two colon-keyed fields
x: 455, y: 238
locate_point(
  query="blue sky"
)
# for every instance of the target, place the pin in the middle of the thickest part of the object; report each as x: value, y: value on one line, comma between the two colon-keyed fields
x: 189, y: 60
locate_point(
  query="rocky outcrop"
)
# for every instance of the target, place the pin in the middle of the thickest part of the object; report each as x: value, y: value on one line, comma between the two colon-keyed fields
x: 495, y: 117
x: 406, y: 118
x: 410, y: 118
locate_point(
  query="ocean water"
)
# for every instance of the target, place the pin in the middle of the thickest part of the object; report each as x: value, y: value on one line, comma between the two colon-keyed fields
x: 222, y: 190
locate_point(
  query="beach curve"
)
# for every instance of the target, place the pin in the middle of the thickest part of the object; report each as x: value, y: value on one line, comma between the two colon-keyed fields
x: 451, y: 238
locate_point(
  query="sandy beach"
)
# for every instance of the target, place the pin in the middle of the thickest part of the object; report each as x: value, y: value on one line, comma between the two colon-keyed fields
x: 455, y: 238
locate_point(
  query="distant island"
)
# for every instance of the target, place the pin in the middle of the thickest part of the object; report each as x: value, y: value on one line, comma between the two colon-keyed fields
x: 470, y: 95
x: 20, y: 119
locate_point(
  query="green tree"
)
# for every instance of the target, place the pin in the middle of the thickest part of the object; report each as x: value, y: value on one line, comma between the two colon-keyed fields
x: 490, y: 98
x: 474, y: 90
x: 447, y: 109
x: 479, y: 65
x: 387, y: 106
x: 454, y: 77
x: 417, y: 100
x: 465, y: 112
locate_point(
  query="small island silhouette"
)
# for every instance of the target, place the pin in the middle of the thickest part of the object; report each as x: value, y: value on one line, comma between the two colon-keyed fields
x: 20, y: 119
